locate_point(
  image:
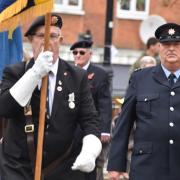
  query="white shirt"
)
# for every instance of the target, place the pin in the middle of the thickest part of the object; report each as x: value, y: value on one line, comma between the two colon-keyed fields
x: 86, y: 66
x: 51, y: 83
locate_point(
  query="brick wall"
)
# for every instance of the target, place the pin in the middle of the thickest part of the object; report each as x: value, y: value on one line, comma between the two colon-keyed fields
x: 125, y: 32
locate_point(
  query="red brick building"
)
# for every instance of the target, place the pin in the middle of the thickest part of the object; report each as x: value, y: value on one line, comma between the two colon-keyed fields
x: 81, y: 15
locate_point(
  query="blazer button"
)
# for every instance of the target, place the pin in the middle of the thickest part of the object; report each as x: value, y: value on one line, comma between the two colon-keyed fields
x: 140, y: 151
x: 47, y: 116
x: 47, y: 126
x: 171, y: 109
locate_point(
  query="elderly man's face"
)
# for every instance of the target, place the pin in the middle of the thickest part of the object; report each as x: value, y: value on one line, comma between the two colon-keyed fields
x: 37, y: 41
x: 170, y: 55
x: 81, y: 56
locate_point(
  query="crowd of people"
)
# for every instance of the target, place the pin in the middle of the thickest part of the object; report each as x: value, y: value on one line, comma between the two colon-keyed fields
x: 138, y: 141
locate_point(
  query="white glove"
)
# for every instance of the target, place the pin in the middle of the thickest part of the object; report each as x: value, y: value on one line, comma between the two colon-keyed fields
x: 43, y: 63
x: 24, y: 87
x: 91, y: 149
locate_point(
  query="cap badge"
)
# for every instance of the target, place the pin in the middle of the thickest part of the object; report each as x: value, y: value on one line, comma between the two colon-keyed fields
x: 171, y: 32
x: 54, y: 20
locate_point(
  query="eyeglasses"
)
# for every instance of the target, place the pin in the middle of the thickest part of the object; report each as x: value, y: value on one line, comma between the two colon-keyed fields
x: 82, y: 53
x: 52, y: 36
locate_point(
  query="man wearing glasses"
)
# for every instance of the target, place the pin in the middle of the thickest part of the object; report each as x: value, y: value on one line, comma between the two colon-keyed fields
x: 69, y: 104
x: 100, y: 89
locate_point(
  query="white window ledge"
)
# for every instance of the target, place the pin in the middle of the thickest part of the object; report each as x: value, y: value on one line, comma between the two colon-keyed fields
x: 135, y: 16
x: 73, y: 11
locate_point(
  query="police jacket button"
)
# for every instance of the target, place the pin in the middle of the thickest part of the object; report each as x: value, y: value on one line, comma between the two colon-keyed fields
x: 171, y: 124
x: 172, y: 93
x: 140, y: 151
x: 171, y: 109
x: 171, y: 141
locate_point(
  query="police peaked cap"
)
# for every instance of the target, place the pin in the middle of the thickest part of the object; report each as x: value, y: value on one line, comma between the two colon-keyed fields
x: 56, y: 20
x: 169, y: 32
x: 82, y: 44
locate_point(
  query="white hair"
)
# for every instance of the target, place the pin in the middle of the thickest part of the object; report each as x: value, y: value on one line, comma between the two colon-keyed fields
x: 147, y: 61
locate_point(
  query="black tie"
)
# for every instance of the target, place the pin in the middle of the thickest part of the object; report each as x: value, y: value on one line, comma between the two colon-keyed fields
x: 47, y: 104
x: 171, y: 79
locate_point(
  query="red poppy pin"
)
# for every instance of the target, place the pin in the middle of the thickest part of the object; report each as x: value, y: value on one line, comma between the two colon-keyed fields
x: 90, y: 76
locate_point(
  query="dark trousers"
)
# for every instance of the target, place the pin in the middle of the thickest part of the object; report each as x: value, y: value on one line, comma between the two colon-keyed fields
x: 12, y: 168
x: 64, y: 172
x: 91, y: 175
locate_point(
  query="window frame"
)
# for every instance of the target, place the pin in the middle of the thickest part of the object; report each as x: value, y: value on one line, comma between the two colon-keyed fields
x: 133, y: 13
x: 69, y: 9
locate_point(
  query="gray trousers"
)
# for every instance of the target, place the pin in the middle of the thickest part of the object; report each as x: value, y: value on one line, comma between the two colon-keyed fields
x: 101, y: 161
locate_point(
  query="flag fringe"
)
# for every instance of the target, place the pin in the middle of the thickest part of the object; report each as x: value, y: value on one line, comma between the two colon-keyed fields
x: 23, y: 17
x: 13, y: 9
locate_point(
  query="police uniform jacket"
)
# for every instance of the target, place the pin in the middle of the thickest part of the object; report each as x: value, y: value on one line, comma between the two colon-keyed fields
x: 100, y: 89
x: 59, y: 130
x: 155, y: 106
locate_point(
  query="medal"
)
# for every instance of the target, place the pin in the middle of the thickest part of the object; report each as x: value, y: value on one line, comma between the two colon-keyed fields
x: 71, y: 97
x: 71, y: 105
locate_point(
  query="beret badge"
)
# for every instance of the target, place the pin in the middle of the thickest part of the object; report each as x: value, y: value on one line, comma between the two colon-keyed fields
x: 54, y: 20
x: 171, y: 31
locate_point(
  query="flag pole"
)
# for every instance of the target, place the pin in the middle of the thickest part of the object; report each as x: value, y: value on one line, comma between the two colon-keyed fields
x: 38, y: 165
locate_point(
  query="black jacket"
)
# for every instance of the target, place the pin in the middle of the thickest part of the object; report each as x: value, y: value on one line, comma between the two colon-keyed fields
x: 100, y: 89
x: 60, y: 132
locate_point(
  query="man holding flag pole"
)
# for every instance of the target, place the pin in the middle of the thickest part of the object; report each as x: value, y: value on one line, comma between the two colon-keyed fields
x: 69, y: 104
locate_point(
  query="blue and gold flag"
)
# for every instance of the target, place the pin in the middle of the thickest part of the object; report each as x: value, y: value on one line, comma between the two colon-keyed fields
x: 11, y: 49
x: 18, y: 12
x: 12, y: 14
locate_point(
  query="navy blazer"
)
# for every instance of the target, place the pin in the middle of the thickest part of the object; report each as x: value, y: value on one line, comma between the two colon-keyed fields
x: 100, y: 89
x: 155, y: 107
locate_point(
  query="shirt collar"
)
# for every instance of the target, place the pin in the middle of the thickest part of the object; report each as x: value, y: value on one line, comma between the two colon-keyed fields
x: 86, y: 66
x: 54, y: 68
x: 167, y: 72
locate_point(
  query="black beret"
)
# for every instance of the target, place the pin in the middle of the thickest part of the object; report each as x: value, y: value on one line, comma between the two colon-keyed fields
x: 56, y: 20
x: 81, y: 44
x: 169, y: 32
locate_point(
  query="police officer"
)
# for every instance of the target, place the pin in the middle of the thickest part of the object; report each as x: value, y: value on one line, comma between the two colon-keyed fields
x: 152, y: 100
x: 69, y: 103
x: 100, y: 89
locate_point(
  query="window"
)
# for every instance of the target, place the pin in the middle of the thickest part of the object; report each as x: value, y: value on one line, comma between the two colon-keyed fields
x: 133, y: 9
x: 69, y: 6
